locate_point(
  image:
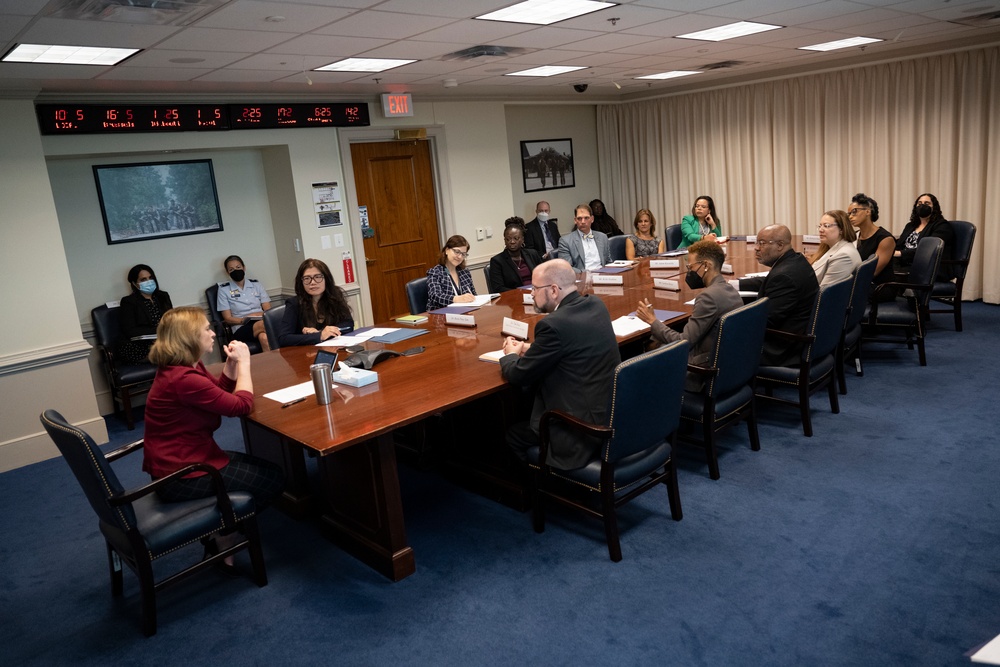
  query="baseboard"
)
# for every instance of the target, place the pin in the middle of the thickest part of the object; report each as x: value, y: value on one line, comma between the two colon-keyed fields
x: 39, y: 446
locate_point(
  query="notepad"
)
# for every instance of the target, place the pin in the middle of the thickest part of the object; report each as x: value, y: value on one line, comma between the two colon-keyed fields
x: 412, y: 319
x: 398, y: 335
x: 453, y: 310
x: 493, y: 357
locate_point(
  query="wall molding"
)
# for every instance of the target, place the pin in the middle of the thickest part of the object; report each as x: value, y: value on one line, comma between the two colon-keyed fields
x: 47, y: 356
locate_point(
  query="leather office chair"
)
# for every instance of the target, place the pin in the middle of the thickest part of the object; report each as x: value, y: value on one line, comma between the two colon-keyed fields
x: 950, y: 293
x: 416, y: 295
x: 673, y: 237
x: 850, y: 344
x: 728, y: 394
x: 272, y: 320
x: 819, y: 353
x: 906, y: 314
x: 486, y: 274
x: 126, y: 380
x: 638, y: 443
x: 223, y: 331
x: 139, y: 528
x: 616, y: 247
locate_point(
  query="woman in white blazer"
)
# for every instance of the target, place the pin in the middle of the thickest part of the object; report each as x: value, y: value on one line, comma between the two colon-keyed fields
x: 836, y: 257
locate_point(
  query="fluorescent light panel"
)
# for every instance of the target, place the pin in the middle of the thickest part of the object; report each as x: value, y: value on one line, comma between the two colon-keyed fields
x: 67, y: 55
x: 840, y: 44
x: 731, y: 31
x: 668, y: 75
x: 545, y: 12
x: 363, y: 65
x: 545, y: 70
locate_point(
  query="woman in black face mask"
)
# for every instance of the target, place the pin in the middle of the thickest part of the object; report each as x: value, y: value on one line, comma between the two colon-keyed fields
x: 925, y: 220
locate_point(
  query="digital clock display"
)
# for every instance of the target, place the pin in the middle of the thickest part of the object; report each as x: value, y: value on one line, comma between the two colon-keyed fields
x: 119, y: 119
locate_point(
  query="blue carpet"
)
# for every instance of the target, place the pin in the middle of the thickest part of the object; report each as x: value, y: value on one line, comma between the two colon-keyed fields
x: 876, y: 542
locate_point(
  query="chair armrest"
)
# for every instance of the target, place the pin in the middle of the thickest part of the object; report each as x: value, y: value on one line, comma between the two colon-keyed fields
x: 222, y: 497
x: 703, y: 370
x: 575, y: 424
x: 788, y: 335
x: 124, y: 450
x: 902, y: 285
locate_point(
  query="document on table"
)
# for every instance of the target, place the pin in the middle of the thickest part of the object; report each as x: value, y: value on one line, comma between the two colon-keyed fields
x: 344, y: 341
x: 292, y: 393
x: 626, y: 326
x: 988, y: 654
x: 481, y: 300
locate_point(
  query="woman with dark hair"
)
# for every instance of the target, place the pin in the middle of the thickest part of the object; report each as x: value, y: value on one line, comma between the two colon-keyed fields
x: 512, y: 268
x: 185, y: 406
x: 644, y: 242
x: 872, y: 239
x: 836, y: 258
x: 319, y: 310
x: 603, y: 222
x: 449, y: 281
x: 703, y: 223
x: 139, y: 313
x: 241, y: 303
x: 925, y: 220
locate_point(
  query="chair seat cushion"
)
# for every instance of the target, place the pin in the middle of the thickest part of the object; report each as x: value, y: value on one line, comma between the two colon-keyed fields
x: 628, y: 470
x: 166, y: 526
x: 785, y: 375
x: 136, y: 373
x: 694, y: 403
x: 897, y: 314
x: 942, y: 289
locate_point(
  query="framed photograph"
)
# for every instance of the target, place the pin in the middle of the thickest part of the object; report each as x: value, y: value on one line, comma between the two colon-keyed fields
x: 153, y: 200
x: 547, y: 164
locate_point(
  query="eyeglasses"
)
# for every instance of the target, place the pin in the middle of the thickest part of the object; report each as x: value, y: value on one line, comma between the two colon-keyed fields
x: 538, y: 288
x: 318, y: 278
x: 764, y: 243
x: 826, y: 225
x: 854, y: 211
x: 459, y: 253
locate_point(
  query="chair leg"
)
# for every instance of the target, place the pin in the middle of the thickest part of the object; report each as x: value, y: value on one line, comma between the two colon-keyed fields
x: 147, y: 592
x: 807, y: 427
x: 611, y: 524
x: 708, y: 436
x: 958, y: 311
x: 673, y: 493
x: 834, y: 399
x: 841, y: 375
x: 115, y: 566
x: 127, y: 407
x: 256, y: 553
x: 537, y: 506
x: 920, y: 351
x: 752, y: 427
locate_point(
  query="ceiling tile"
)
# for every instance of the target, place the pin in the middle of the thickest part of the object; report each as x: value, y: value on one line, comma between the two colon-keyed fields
x: 94, y: 33
x: 217, y: 39
x: 388, y: 25
x: 252, y: 15
x: 308, y: 45
x: 174, y: 73
x: 452, y: 8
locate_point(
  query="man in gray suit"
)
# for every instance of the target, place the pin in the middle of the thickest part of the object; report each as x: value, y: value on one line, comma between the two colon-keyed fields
x: 584, y: 248
x: 571, y: 365
x: 704, y: 270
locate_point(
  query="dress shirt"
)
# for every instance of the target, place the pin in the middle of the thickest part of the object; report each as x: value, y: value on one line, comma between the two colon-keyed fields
x: 591, y: 257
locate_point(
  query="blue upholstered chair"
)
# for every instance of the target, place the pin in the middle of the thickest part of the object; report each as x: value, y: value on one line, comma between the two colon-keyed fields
x: 272, y: 318
x: 905, y: 314
x: 638, y: 442
x: 950, y: 293
x: 850, y: 346
x: 616, y: 247
x: 728, y: 393
x: 486, y: 274
x: 673, y: 237
x: 416, y: 295
x: 125, y: 380
x: 138, y: 527
x: 223, y: 331
x: 819, y: 353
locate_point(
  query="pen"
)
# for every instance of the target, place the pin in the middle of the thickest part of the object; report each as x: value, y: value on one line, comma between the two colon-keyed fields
x: 289, y: 403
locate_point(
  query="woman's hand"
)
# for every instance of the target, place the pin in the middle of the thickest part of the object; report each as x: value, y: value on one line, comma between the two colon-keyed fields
x: 645, y: 312
x: 463, y: 298
x: 710, y: 222
x: 238, y: 351
x: 329, y: 332
x: 309, y: 330
x: 711, y: 236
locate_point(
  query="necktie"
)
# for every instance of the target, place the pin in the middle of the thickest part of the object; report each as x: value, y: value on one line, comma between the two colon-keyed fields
x: 589, y: 236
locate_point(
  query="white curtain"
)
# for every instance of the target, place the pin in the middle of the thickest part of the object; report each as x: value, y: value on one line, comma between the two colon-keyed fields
x: 786, y: 151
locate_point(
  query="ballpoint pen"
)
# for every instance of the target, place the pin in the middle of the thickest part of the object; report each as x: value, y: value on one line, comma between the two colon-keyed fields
x: 289, y: 403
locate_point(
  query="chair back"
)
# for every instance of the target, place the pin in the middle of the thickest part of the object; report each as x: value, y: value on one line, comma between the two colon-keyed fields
x: 645, y: 402
x: 107, y: 327
x: 272, y: 318
x: 416, y: 295
x: 673, y: 237
x: 486, y: 274
x: 925, y: 266
x: 965, y: 236
x: 616, y: 246
x: 829, y: 316
x: 738, y: 347
x: 91, y: 470
x: 861, y: 289
x: 212, y: 297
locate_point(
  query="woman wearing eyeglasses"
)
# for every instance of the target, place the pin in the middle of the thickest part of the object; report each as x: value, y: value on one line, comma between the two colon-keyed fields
x: 872, y: 240
x: 319, y: 310
x: 448, y: 281
x: 836, y: 258
x: 703, y: 223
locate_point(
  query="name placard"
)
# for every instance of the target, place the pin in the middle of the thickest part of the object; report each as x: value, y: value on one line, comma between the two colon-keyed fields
x: 727, y: 269
x: 810, y: 238
x: 528, y: 299
x: 515, y: 328
x: 603, y: 279
x: 663, y: 283
x: 751, y: 238
x: 664, y: 263
x: 608, y: 290
x: 460, y: 320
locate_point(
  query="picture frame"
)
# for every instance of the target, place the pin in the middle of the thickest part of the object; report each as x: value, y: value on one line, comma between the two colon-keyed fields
x: 153, y: 200
x: 547, y: 164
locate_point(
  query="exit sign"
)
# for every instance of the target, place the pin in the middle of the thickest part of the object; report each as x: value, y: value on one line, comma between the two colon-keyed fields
x: 395, y: 105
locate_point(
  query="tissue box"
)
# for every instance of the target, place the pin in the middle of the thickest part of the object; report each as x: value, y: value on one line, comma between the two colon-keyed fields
x: 359, y: 378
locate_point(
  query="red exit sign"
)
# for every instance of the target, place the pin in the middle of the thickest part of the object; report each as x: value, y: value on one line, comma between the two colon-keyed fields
x: 395, y: 105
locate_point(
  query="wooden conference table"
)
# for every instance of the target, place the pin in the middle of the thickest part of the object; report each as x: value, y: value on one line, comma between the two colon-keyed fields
x: 352, y: 437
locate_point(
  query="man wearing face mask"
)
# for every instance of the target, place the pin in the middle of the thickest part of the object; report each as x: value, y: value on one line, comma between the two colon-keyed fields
x: 705, y: 259
x: 241, y: 304
x: 542, y: 233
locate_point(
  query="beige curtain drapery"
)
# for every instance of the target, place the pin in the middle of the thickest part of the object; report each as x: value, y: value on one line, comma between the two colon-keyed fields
x: 785, y: 151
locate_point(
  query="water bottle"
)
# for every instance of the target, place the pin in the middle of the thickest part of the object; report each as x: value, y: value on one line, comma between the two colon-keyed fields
x: 322, y: 377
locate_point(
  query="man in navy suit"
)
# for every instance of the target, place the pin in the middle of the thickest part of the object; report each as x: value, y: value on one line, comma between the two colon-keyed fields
x: 542, y: 234
x: 584, y: 248
x: 571, y: 364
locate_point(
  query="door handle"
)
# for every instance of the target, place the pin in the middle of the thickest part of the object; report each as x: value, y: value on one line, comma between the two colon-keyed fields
x: 369, y: 262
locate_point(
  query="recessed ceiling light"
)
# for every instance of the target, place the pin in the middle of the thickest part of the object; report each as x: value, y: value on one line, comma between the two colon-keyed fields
x: 545, y: 70
x: 274, y: 19
x: 363, y: 65
x: 545, y: 12
x: 668, y: 75
x: 840, y: 44
x: 724, y: 32
x: 67, y: 55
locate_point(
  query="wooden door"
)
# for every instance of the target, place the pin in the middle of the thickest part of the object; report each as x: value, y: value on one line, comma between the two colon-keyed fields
x: 394, y: 180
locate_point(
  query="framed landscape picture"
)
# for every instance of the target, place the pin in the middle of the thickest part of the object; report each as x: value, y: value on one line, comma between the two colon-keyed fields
x: 151, y: 200
x: 547, y: 164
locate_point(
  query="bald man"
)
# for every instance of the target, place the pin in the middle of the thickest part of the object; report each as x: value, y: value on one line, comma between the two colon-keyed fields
x: 791, y: 289
x: 571, y: 364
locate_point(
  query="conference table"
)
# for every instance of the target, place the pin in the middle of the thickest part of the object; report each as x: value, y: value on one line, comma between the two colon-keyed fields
x: 352, y: 438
